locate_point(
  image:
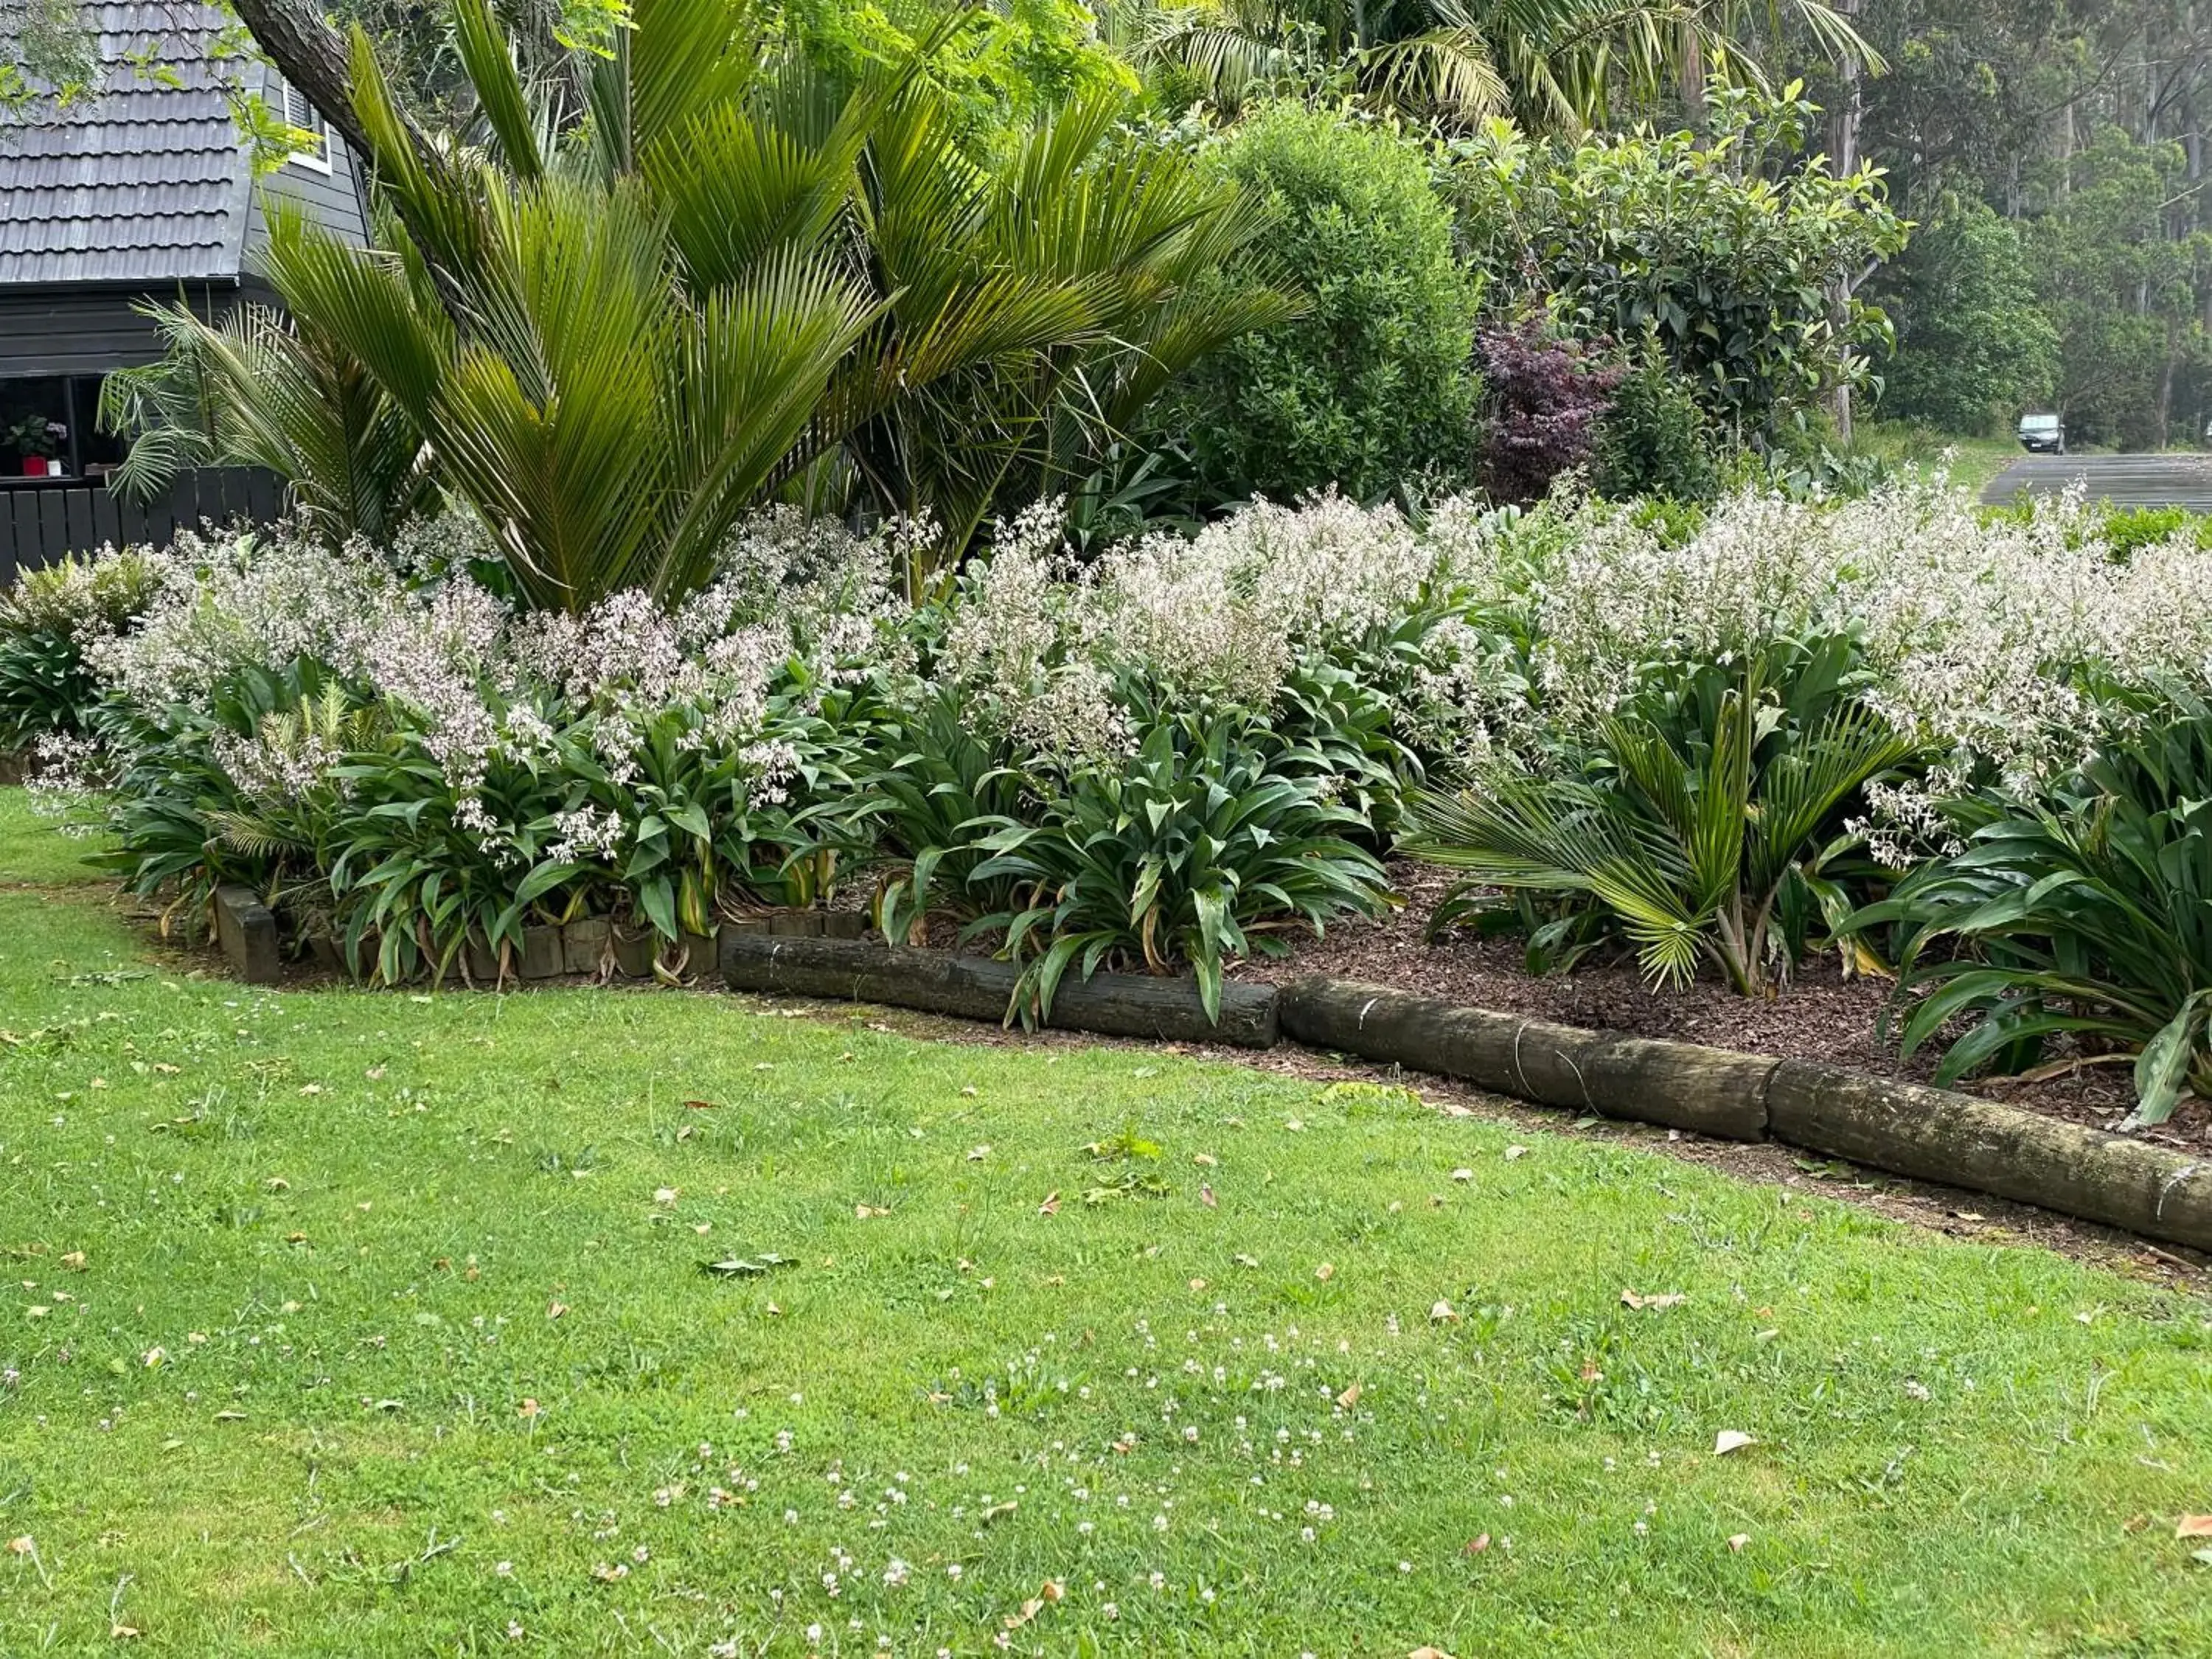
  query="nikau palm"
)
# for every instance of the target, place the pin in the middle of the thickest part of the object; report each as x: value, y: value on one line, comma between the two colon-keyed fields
x: 614, y: 336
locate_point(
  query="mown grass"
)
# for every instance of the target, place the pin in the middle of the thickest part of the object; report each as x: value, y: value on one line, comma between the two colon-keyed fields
x: 390, y: 1334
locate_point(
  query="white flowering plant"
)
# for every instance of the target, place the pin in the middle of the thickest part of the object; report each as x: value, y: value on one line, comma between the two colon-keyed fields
x: 2084, y: 918
x: 49, y: 623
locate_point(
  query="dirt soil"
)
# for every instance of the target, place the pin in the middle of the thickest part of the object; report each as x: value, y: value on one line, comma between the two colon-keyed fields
x: 1821, y: 1016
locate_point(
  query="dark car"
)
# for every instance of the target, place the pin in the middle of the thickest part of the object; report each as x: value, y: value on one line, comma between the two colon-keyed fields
x: 2042, y: 434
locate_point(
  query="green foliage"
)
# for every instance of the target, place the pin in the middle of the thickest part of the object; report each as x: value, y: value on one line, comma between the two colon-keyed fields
x: 1654, y: 440
x: 1198, y: 848
x: 1974, y: 348
x: 1370, y: 389
x: 1704, y: 820
x: 1730, y: 244
x: 2122, y: 292
x: 258, y: 388
x: 46, y: 687
x: 614, y: 339
x: 1553, y: 65
x: 2088, y: 919
x: 2126, y: 531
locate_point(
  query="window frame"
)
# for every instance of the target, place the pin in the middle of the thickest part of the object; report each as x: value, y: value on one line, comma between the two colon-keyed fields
x: 291, y: 99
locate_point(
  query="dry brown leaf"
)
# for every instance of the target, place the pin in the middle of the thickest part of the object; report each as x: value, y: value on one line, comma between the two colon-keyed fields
x: 1671, y: 1299
x: 528, y: 1408
x: 1512, y: 1153
x: 1475, y: 1546
x: 74, y: 1261
x: 1030, y: 1608
x: 1428, y: 1653
x: 1205, y: 1197
x: 1207, y: 1160
x: 2193, y: 1526
x: 1051, y: 1204
x: 1442, y: 1314
x: 1729, y: 1440
x: 702, y: 1106
x: 1326, y: 1272
x: 555, y: 1310
x: 1349, y: 1398
x: 868, y: 1212
x: 123, y: 1633
x: 1736, y: 1541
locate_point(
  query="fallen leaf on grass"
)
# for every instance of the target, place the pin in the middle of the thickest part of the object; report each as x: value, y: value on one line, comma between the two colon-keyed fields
x: 2193, y: 1526
x: 1243, y: 1260
x: 1442, y: 1314
x: 121, y: 1632
x: 1729, y: 1440
x: 744, y: 1267
x: 1349, y: 1398
x: 868, y: 1212
x: 555, y: 1310
x: 977, y: 1154
x: 1000, y: 1511
x: 1206, y: 1158
x: 1463, y: 1174
x: 1428, y: 1653
x: 74, y: 1261
x: 1512, y: 1153
x: 1737, y: 1541
x: 1051, y: 1204
x: 1475, y: 1546
x: 702, y: 1106
x: 1053, y: 1591
x: 529, y: 1408
x: 1325, y: 1272
x: 1205, y: 1197
x: 1672, y: 1299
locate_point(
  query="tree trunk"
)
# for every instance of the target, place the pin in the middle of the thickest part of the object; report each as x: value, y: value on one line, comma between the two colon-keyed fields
x: 1842, y: 160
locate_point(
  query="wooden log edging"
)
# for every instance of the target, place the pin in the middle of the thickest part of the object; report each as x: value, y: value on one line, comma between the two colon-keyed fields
x: 976, y: 987
x: 1904, y: 1128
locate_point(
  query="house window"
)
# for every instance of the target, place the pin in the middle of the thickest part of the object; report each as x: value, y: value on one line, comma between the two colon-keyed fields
x: 292, y: 104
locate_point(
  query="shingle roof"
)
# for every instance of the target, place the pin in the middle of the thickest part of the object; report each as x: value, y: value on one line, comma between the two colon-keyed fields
x: 148, y: 182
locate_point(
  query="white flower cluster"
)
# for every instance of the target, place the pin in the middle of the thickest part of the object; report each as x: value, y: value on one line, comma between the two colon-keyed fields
x: 1983, y: 633
x: 1227, y: 612
x: 475, y: 678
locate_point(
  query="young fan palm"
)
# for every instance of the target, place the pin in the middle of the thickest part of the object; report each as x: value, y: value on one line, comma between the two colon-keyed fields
x: 1692, y: 848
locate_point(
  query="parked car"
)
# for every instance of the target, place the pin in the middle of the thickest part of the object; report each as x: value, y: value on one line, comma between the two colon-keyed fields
x: 2042, y: 434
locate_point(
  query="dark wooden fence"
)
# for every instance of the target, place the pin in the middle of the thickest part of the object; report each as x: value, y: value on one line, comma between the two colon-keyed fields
x: 40, y: 523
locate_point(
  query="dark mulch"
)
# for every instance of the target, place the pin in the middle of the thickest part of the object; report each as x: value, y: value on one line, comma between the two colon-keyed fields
x: 1821, y: 1016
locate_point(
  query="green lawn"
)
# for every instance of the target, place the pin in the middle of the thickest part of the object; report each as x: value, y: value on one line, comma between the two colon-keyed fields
x: 360, y: 1324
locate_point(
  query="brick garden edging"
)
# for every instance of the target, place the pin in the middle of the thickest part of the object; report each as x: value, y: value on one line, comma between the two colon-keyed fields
x: 1905, y: 1128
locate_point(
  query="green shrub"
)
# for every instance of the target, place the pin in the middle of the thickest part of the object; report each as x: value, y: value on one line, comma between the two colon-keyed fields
x: 2088, y: 918
x: 1371, y: 387
x: 1655, y: 441
x: 2126, y: 531
x: 46, y: 621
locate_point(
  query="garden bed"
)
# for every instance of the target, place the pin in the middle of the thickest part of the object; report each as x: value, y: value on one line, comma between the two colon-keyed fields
x: 1821, y: 1017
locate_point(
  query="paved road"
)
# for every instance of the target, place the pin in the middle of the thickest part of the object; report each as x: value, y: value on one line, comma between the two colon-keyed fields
x: 2124, y: 480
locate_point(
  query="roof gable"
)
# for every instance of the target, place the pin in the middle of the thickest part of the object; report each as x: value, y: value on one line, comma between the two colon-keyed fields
x: 148, y: 182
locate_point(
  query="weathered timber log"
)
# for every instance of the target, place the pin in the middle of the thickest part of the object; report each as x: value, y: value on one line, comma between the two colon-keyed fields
x: 247, y: 930
x: 1984, y: 1146
x: 541, y: 955
x: 585, y: 944
x: 975, y: 987
x: 1712, y: 1092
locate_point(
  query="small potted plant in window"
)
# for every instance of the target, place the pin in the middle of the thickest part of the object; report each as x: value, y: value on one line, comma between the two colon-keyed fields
x: 33, y: 439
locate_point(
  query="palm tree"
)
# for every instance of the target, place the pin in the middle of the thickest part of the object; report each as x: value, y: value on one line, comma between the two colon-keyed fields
x: 1553, y: 66
x: 613, y: 332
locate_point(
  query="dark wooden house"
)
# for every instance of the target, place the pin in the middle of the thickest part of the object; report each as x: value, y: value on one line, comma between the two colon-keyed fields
x: 145, y: 191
